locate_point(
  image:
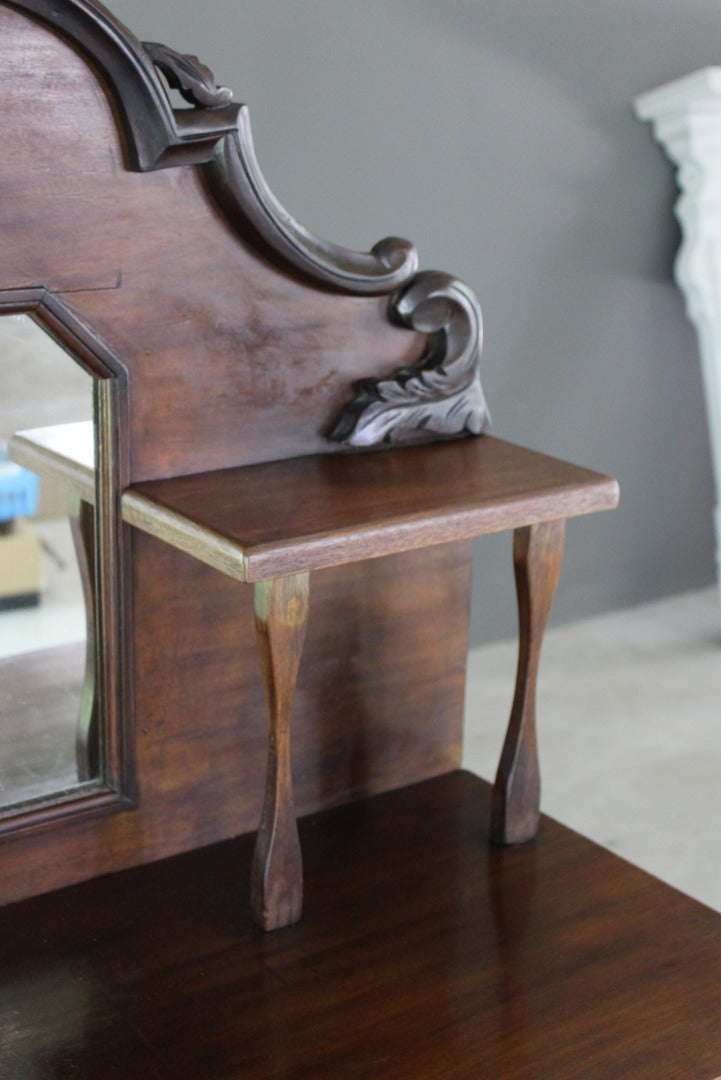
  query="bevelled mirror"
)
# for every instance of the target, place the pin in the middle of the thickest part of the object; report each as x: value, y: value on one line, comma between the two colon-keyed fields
x: 52, y: 712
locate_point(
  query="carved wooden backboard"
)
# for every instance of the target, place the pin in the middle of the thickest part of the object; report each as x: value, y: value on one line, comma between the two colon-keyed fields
x: 221, y: 333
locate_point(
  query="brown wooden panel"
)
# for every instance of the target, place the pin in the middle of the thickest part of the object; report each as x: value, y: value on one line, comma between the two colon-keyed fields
x: 379, y: 703
x: 423, y: 955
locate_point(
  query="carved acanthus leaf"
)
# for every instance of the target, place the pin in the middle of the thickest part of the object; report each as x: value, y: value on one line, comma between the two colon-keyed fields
x: 194, y: 81
x: 441, y: 394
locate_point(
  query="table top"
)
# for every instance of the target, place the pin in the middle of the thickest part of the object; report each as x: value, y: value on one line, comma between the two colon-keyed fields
x: 268, y: 520
x: 423, y: 954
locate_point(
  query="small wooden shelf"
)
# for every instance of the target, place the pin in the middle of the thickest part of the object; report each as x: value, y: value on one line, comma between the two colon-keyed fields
x: 284, y: 517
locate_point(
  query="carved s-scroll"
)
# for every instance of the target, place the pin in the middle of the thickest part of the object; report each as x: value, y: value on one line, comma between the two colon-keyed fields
x: 236, y: 180
x: 441, y: 394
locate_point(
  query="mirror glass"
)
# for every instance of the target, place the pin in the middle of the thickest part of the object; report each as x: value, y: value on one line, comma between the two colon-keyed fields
x: 46, y: 691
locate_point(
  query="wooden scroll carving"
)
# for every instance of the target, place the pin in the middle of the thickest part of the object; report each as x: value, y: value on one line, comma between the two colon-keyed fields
x: 441, y: 395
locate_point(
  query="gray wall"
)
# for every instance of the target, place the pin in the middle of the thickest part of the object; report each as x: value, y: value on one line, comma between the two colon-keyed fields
x: 498, y: 136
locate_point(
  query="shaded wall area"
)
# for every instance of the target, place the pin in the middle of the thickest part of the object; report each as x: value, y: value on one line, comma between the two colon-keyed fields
x: 499, y: 137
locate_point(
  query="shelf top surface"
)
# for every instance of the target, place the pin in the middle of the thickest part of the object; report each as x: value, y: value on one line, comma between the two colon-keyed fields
x: 283, y: 517
x: 306, y: 513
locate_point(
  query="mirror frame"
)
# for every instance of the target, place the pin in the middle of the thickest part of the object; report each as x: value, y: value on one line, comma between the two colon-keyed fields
x: 113, y: 788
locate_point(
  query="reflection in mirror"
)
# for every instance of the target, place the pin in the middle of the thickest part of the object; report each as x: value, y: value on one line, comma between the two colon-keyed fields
x: 44, y: 579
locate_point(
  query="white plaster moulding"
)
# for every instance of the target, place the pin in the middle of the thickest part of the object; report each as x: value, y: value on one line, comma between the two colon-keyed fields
x: 686, y: 119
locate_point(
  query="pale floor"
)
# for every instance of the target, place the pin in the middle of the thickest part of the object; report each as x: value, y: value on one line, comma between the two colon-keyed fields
x: 629, y: 721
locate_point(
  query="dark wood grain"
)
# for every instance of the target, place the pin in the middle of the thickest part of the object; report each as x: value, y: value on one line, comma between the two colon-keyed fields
x: 281, y: 621
x: 537, y: 556
x: 423, y: 955
x: 306, y: 513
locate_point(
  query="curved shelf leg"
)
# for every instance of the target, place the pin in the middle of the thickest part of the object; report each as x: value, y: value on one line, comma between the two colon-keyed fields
x: 87, y: 732
x: 537, y: 557
x: 281, y: 616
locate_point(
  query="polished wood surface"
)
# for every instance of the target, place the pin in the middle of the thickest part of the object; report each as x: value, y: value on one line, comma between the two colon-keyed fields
x: 306, y: 513
x: 423, y: 955
x: 208, y: 356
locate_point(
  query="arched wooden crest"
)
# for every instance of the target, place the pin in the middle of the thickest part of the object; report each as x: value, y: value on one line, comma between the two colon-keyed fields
x: 441, y: 394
